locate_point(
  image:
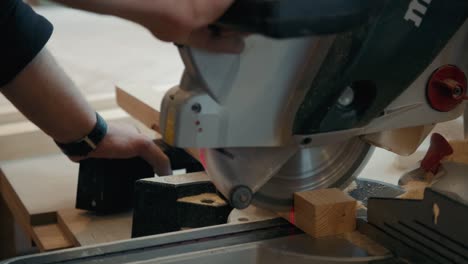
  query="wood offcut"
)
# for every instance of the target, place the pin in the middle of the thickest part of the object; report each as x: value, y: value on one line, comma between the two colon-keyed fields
x: 325, y: 212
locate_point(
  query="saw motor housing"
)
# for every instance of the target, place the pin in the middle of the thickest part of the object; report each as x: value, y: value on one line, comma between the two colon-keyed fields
x: 307, y: 97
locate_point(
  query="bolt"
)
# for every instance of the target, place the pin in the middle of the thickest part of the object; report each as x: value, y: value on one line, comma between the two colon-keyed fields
x: 457, y: 92
x: 453, y: 86
x: 347, y: 97
x: 196, y: 108
x: 241, y: 197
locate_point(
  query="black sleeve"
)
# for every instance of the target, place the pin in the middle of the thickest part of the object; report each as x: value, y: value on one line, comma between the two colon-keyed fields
x: 23, y: 34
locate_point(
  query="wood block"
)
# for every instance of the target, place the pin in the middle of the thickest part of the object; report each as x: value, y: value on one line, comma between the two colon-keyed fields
x: 143, y: 105
x: 84, y: 228
x: 325, y: 212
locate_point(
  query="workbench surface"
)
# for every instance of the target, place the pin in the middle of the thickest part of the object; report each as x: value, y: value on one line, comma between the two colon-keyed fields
x: 41, y: 192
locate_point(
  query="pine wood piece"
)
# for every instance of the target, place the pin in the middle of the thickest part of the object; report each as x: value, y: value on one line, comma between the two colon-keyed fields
x: 142, y: 104
x: 50, y: 237
x: 324, y: 212
x: 83, y: 228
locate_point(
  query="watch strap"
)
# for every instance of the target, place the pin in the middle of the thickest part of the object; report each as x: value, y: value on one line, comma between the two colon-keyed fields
x: 88, y: 143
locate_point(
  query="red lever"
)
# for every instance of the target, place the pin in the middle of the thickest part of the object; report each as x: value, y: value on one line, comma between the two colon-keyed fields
x: 439, y: 149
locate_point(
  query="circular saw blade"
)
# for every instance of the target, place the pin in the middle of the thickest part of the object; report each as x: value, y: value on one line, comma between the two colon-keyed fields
x: 275, y: 174
x: 331, y: 166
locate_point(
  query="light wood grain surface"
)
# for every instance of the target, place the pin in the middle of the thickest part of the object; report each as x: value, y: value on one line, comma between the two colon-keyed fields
x: 324, y: 212
x: 84, y: 228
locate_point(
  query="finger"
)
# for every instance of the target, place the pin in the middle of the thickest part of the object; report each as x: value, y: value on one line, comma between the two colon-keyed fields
x: 156, y: 157
x: 76, y: 158
x: 205, y: 40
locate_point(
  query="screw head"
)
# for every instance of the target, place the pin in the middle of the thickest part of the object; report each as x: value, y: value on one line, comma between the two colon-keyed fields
x: 196, y: 108
x: 241, y: 197
x: 457, y: 92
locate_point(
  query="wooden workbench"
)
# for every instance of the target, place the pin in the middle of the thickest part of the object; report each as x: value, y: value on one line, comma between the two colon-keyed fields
x: 40, y: 194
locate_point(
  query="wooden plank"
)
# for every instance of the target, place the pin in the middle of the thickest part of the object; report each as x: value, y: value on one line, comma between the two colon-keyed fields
x: 142, y: 103
x: 14, y: 203
x: 28, y: 186
x: 7, y: 232
x: 50, y: 237
x: 84, y: 228
x: 34, y: 184
x: 324, y: 212
x: 52, y: 240
x: 23, y: 139
x: 104, y: 101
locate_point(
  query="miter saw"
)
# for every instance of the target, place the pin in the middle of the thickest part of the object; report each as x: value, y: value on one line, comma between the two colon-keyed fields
x: 318, y: 85
x: 321, y: 84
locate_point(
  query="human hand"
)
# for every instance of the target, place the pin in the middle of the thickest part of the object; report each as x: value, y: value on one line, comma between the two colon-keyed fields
x: 186, y: 22
x: 124, y: 141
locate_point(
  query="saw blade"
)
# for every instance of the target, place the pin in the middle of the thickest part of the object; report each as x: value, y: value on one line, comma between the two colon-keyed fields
x: 274, y: 174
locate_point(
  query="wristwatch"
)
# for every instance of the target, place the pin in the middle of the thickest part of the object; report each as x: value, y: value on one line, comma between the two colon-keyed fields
x: 84, y: 146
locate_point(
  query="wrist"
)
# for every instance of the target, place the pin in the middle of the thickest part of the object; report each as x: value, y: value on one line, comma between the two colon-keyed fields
x: 86, y: 144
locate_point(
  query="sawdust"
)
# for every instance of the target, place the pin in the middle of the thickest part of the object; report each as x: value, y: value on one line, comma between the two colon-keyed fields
x: 415, y: 189
x: 353, y: 186
x: 360, y: 206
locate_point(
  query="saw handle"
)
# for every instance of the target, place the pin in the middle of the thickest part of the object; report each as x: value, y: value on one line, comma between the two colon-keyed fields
x: 295, y: 18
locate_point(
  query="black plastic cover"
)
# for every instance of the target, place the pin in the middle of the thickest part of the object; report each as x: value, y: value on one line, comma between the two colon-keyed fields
x: 295, y: 18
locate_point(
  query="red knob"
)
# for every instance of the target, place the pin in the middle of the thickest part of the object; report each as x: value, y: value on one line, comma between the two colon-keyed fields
x: 446, y: 88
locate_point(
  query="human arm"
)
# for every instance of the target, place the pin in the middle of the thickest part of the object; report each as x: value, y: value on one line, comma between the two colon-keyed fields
x: 31, y: 79
x: 183, y: 22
